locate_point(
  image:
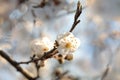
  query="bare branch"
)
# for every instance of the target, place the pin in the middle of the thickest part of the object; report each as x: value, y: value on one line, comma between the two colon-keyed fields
x: 77, y: 14
x: 44, y: 57
x: 15, y: 65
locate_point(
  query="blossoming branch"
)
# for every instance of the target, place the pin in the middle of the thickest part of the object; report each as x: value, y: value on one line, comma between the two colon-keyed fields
x: 43, y: 49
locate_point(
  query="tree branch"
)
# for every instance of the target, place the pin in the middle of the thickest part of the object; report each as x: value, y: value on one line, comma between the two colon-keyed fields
x: 44, y: 57
x: 15, y: 65
x: 77, y: 14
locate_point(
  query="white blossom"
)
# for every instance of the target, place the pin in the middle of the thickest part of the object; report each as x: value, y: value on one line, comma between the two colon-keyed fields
x: 39, y: 46
x: 68, y: 43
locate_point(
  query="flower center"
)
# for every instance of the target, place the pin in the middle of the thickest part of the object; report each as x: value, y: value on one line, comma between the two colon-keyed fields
x: 68, y: 45
x: 45, y: 49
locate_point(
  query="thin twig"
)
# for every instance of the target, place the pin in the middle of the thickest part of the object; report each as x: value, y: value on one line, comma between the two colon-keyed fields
x: 105, y: 72
x: 34, y: 15
x: 15, y: 65
x: 41, y: 5
x: 44, y: 57
x: 77, y: 14
x: 37, y: 69
x: 61, y: 75
x: 22, y: 1
x: 68, y: 12
x: 107, y: 66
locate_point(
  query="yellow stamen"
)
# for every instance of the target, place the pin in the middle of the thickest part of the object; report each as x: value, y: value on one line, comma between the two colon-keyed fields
x: 68, y: 45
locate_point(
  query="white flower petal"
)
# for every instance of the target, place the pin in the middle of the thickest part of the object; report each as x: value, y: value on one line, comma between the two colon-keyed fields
x: 39, y: 46
x: 67, y: 43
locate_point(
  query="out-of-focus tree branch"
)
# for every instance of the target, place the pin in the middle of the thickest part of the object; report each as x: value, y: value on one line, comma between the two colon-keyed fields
x: 61, y: 75
x: 41, y: 4
x: 105, y: 73
x: 22, y: 1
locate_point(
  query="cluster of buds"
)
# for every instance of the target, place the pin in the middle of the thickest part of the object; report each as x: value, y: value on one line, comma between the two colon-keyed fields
x: 67, y: 44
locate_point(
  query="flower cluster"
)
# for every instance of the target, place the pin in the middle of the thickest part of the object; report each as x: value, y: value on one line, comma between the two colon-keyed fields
x: 40, y: 46
x: 67, y: 44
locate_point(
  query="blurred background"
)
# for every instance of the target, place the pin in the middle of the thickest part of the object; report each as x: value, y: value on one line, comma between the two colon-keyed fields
x: 99, y: 32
